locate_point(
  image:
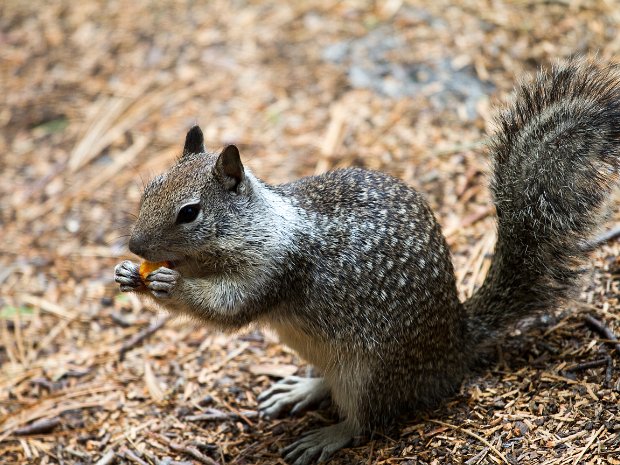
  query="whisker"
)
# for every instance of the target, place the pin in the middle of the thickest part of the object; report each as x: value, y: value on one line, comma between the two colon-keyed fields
x: 133, y: 215
x: 111, y: 241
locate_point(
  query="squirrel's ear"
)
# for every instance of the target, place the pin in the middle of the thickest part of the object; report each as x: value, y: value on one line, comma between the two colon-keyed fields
x: 194, y: 141
x: 229, y: 168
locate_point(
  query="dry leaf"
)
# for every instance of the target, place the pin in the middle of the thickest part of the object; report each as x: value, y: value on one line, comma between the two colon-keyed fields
x: 153, y: 385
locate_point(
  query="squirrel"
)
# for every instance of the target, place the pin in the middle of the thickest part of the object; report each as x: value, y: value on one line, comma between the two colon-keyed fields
x: 351, y: 270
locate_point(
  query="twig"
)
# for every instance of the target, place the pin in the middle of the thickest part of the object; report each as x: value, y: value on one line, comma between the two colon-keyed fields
x: 478, y: 457
x: 473, y: 145
x: 192, y: 452
x: 586, y: 365
x: 372, y: 446
x: 605, y: 237
x: 42, y: 426
x: 609, y: 371
x: 51, y: 307
x: 141, y: 336
x: 588, y: 445
x: 213, y: 414
x: 569, y: 438
x: 107, y: 458
x: 132, y: 431
x: 242, y: 416
x: 44, y: 383
x: 469, y: 220
x: 475, y: 436
x: 119, y: 320
x: 603, y: 330
x: 607, y: 362
x: 129, y: 455
x: 188, y: 450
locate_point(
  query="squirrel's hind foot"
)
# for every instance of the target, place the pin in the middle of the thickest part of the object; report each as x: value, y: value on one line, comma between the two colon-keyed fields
x: 321, y: 443
x: 292, y: 390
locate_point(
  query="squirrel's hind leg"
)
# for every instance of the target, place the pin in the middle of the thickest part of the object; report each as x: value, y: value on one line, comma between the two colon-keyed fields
x: 322, y: 443
x: 292, y: 390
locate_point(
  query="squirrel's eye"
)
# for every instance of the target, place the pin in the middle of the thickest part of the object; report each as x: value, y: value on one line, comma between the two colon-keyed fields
x: 188, y: 213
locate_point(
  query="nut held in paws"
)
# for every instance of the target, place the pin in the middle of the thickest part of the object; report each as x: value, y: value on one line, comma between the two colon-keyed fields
x: 148, y: 267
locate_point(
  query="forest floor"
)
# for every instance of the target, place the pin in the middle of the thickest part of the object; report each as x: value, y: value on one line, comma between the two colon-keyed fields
x: 97, y: 99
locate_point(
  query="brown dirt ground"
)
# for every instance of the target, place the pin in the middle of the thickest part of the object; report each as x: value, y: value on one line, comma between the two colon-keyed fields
x: 97, y: 97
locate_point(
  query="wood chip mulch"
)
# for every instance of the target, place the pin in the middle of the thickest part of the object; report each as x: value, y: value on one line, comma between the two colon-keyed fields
x: 97, y: 97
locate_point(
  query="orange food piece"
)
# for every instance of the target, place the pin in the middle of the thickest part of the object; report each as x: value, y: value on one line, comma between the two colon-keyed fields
x: 148, y: 267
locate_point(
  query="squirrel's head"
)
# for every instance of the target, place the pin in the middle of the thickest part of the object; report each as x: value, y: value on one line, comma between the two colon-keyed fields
x: 192, y: 207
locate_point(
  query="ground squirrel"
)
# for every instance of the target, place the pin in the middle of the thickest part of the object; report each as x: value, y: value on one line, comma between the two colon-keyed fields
x: 351, y: 269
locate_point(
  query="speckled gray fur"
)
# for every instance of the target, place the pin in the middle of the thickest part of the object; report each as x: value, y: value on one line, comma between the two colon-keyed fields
x: 351, y: 270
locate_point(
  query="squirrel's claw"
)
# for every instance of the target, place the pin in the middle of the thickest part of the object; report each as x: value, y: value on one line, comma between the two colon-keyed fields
x: 292, y: 390
x: 162, y: 282
x: 127, y: 275
x: 322, y: 442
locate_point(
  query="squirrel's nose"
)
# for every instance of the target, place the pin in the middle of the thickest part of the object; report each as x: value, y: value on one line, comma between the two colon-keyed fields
x: 137, y: 245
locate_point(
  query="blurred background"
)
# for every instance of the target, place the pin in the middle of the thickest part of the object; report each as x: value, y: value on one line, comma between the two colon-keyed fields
x: 96, y: 98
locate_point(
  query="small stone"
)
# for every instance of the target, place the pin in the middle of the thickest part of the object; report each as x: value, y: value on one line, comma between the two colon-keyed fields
x: 205, y: 401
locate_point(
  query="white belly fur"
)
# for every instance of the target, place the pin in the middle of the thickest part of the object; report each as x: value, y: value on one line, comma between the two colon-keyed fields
x: 344, y: 372
x: 309, y: 349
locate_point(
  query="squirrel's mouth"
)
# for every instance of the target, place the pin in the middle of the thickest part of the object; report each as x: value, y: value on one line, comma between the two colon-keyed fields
x: 175, y: 263
x: 178, y: 263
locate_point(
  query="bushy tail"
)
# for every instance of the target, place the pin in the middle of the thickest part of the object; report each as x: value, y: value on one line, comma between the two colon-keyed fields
x: 556, y: 158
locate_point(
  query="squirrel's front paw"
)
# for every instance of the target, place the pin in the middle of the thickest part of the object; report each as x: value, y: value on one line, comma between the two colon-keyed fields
x: 162, y: 282
x: 127, y: 274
